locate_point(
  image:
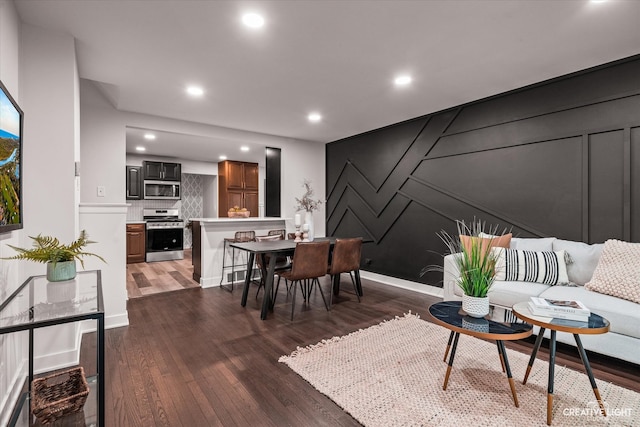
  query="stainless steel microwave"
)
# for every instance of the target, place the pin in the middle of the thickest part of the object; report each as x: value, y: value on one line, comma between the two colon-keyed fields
x: 168, y: 190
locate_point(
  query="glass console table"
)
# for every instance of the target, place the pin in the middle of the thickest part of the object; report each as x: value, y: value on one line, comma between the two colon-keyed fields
x: 38, y: 303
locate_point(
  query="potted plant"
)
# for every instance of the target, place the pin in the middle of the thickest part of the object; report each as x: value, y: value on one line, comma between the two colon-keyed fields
x: 60, y: 258
x: 476, y: 262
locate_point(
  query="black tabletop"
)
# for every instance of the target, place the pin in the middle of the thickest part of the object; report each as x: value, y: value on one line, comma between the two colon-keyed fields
x: 270, y: 246
x: 450, y: 315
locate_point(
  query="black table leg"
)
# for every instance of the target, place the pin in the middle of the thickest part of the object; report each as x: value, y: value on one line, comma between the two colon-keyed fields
x: 587, y: 367
x: 268, y: 285
x: 448, y: 346
x: 102, y: 378
x: 552, y: 362
x: 507, y: 368
x: 247, y: 279
x: 453, y: 354
x: 536, y: 347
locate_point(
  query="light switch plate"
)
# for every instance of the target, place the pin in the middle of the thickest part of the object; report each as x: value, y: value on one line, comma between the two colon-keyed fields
x: 101, y: 191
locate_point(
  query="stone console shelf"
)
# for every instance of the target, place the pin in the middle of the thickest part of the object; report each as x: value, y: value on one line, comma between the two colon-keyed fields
x: 208, y: 242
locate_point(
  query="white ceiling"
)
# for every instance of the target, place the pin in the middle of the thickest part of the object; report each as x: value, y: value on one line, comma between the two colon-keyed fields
x: 335, y: 57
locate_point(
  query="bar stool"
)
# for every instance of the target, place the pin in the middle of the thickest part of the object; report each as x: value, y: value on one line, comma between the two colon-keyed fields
x: 239, y: 237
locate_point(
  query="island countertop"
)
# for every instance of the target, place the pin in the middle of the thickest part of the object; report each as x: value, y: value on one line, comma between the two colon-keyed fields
x: 208, y: 249
x: 250, y: 219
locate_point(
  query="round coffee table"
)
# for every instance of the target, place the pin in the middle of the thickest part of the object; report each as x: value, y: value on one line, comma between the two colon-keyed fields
x: 594, y: 325
x: 450, y: 315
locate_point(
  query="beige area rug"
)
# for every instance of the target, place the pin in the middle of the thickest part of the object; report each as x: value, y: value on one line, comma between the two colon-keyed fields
x: 391, y: 374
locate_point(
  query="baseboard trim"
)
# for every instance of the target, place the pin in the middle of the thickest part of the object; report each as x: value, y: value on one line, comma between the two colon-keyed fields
x: 404, y: 284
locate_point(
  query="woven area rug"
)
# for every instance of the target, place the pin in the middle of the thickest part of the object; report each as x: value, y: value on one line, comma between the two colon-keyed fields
x: 391, y: 374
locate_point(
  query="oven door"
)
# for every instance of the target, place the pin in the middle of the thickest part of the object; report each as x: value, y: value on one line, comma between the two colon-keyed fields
x: 165, y: 244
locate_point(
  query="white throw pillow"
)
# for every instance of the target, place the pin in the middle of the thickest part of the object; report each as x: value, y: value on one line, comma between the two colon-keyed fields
x: 533, y: 244
x: 618, y: 271
x: 585, y: 259
x: 545, y: 267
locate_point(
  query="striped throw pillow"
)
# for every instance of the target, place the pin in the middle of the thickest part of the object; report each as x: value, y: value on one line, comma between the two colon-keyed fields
x: 548, y: 268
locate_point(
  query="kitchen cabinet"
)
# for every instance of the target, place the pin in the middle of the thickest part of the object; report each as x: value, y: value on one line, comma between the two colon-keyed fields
x: 237, y: 186
x: 134, y: 182
x: 135, y: 243
x: 161, y: 171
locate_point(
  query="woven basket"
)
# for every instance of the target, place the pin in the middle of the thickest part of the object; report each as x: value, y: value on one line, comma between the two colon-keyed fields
x: 58, y: 395
x: 239, y: 214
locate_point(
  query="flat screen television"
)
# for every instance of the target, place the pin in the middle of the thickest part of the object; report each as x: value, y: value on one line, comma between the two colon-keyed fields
x: 11, y: 117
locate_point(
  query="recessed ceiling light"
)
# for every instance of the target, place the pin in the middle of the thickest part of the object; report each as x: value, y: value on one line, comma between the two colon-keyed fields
x: 244, y: 148
x: 223, y: 157
x: 149, y: 136
x: 314, y: 117
x: 253, y: 20
x: 140, y: 148
x: 402, y: 80
x: 195, y: 91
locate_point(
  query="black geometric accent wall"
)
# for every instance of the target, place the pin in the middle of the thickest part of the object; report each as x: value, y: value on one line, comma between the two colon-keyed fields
x: 560, y: 158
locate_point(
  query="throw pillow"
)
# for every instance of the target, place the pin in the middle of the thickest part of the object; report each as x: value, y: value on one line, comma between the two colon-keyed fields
x: 486, y: 242
x: 585, y: 259
x: 546, y: 267
x: 537, y: 244
x: 618, y: 271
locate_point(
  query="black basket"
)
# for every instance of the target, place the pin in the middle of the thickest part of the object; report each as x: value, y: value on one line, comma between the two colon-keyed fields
x: 58, y: 395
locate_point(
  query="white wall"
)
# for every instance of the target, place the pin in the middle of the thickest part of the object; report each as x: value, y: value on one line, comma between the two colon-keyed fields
x: 49, y: 89
x: 13, y: 347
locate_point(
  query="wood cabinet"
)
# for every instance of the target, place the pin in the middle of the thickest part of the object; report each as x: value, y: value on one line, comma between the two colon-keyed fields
x: 161, y: 171
x: 134, y: 182
x: 135, y: 243
x: 237, y: 186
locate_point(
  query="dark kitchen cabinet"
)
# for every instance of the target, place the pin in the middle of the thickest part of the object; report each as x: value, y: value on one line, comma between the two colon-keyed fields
x: 161, y: 171
x: 237, y: 186
x: 134, y: 182
x: 135, y: 243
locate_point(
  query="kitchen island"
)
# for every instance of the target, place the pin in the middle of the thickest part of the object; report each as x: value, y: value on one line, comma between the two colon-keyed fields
x: 208, y: 243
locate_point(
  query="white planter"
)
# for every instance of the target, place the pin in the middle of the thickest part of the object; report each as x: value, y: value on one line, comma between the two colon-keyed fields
x: 308, y: 219
x: 475, y: 307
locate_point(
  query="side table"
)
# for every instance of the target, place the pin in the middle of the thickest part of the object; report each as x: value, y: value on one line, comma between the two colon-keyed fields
x: 40, y: 304
x: 594, y: 325
x: 450, y: 315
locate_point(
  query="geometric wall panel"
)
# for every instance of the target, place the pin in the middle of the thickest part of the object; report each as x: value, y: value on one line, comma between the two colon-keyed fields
x: 561, y: 158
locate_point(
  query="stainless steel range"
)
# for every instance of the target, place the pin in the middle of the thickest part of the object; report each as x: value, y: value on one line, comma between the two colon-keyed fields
x: 165, y: 234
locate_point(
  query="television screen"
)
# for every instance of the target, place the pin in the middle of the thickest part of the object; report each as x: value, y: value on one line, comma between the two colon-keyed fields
x: 10, y: 162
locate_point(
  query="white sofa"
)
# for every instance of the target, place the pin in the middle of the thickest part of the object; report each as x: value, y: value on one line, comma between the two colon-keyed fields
x: 623, y: 339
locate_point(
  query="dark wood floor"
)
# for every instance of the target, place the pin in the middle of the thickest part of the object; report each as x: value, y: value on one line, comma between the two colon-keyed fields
x: 195, y: 357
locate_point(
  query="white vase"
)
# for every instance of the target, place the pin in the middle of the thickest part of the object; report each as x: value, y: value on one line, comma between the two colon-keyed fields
x: 308, y: 219
x: 474, y: 306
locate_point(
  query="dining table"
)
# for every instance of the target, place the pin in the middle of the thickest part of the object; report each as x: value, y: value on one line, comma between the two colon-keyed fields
x: 272, y: 249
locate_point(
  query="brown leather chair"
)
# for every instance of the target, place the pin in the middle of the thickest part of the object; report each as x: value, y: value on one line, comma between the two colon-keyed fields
x: 310, y: 261
x: 346, y: 259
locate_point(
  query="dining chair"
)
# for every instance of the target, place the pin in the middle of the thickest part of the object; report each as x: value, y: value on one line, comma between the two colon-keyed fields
x: 310, y: 261
x: 346, y: 259
x: 239, y: 237
x: 282, y: 263
x: 280, y: 232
